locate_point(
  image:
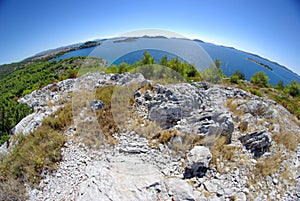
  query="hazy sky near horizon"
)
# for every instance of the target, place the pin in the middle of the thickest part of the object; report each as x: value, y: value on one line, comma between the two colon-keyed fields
x: 269, y: 28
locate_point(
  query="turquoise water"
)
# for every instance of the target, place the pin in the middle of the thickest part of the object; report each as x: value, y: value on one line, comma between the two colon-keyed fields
x: 132, y: 57
x: 199, y: 53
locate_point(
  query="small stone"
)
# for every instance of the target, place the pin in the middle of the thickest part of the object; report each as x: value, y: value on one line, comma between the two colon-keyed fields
x: 246, y: 190
x: 275, y: 181
x: 211, y: 186
x: 148, y: 95
x: 269, y: 180
x: 198, y: 161
x: 179, y: 189
x: 227, y: 169
x: 240, y: 196
x: 228, y: 192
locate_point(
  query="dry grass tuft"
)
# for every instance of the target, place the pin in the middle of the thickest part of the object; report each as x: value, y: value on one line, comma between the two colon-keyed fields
x: 12, y: 189
x: 33, y: 153
x: 148, y: 86
x: 165, y: 136
x: 232, y: 106
x: 221, y: 152
x: 289, y: 140
x: 269, y: 166
x: 243, y: 126
x: 101, y: 127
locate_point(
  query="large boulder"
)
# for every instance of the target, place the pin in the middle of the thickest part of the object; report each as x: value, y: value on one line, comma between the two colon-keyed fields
x: 169, y: 104
x: 166, y: 115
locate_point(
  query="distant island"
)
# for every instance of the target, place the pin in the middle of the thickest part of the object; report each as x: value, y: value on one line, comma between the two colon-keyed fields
x: 146, y: 36
x: 130, y: 39
x: 88, y: 44
x: 261, y: 64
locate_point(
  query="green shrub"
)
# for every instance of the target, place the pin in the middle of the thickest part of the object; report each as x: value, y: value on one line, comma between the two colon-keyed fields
x: 297, y: 113
x: 240, y: 75
x: 279, y: 85
x: 260, y: 79
x: 255, y: 92
x: 234, y: 79
x: 294, y: 88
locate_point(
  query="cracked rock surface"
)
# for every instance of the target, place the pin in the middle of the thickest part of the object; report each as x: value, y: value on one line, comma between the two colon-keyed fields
x: 133, y: 169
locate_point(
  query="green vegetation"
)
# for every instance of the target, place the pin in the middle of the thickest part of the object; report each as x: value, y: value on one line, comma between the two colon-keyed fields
x: 260, y: 79
x: 237, y: 76
x: 218, y: 64
x: 294, y: 88
x: 291, y: 103
x: 279, y: 85
x: 29, y: 78
x: 288, y: 96
x: 187, y: 71
x: 36, y: 152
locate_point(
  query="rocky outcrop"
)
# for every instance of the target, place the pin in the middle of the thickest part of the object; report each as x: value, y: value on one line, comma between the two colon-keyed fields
x: 51, y: 94
x: 47, y: 100
x: 258, y: 142
x: 186, y: 108
x: 135, y: 169
x: 32, y: 121
x: 173, y: 103
x: 178, y: 189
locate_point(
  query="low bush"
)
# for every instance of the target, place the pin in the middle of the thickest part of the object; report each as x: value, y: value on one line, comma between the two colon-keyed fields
x: 165, y: 136
x: 234, y: 79
x: 255, y: 92
x: 33, y: 153
x: 260, y: 79
x: 293, y: 89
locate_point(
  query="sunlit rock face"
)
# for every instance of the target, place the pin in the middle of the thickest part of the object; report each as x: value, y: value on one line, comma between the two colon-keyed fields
x: 141, y: 167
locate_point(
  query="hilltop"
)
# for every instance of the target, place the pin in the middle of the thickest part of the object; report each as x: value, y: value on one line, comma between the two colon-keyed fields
x: 178, y: 141
x: 159, y: 132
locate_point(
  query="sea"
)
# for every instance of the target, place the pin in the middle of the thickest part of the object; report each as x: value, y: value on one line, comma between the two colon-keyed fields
x: 199, y: 53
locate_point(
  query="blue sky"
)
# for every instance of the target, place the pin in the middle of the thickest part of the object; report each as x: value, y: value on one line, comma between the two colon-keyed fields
x: 270, y: 28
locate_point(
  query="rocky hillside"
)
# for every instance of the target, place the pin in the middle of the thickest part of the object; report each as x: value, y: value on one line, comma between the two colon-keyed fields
x: 136, y: 139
